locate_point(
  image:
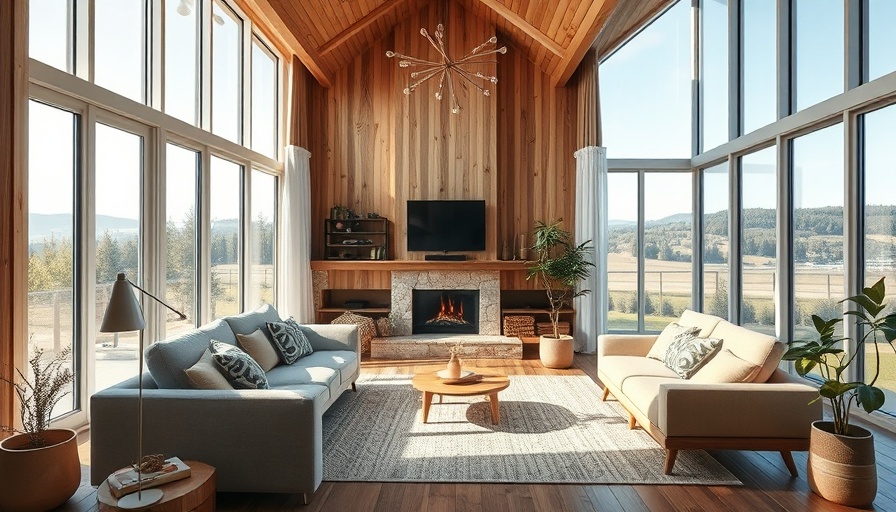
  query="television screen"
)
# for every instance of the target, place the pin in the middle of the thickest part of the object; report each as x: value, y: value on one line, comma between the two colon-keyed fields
x: 446, y: 225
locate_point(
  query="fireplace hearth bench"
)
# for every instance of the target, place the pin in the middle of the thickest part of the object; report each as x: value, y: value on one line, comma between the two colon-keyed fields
x: 435, y: 346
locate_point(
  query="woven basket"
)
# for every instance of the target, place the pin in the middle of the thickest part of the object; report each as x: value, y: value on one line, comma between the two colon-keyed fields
x: 519, y: 326
x: 384, y: 326
x: 365, y: 325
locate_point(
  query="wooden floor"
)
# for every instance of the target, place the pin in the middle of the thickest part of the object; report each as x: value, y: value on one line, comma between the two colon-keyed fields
x: 767, y: 484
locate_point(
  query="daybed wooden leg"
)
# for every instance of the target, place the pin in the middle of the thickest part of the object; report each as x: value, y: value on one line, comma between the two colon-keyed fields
x: 670, y: 461
x: 354, y: 387
x: 632, y: 422
x: 306, y: 498
x: 606, y: 394
x: 788, y: 461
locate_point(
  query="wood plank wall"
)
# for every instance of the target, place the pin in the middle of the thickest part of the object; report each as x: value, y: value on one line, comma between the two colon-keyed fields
x: 373, y: 147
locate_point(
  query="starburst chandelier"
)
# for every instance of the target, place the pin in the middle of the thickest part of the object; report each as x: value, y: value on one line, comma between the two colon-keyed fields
x: 446, y: 69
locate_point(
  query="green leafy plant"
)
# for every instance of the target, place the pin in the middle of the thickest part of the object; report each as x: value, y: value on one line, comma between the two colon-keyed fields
x: 51, y: 380
x: 559, y: 266
x: 832, y: 361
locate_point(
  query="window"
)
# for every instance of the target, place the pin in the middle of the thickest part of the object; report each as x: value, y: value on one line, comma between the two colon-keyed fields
x: 622, y: 255
x: 758, y: 219
x: 264, y: 99
x: 880, y: 233
x: 818, y: 40
x: 182, y: 60
x: 226, y: 224
x: 50, y: 33
x: 716, y: 241
x: 120, y: 50
x: 263, y: 233
x: 645, y: 91
x: 758, y: 69
x: 181, y: 178
x: 881, y: 38
x: 714, y: 79
x: 52, y: 297
x: 227, y: 33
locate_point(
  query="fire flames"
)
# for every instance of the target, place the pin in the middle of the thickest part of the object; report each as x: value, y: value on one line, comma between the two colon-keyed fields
x: 449, y: 313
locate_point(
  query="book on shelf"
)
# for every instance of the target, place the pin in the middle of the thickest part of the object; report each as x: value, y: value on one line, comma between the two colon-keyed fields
x: 124, y: 481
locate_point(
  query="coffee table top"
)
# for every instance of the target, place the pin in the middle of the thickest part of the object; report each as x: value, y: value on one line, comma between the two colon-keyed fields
x: 431, y: 383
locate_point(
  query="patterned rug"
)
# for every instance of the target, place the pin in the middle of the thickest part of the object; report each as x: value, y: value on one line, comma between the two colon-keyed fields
x: 553, y: 429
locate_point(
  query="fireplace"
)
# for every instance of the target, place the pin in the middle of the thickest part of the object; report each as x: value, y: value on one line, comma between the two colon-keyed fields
x: 445, y: 311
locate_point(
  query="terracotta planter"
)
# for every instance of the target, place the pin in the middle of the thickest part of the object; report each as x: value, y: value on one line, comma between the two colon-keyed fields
x: 841, y: 469
x: 554, y: 352
x: 39, y: 478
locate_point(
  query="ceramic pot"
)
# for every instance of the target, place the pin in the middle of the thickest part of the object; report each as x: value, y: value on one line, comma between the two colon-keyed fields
x: 556, y: 352
x: 39, y: 478
x: 841, y: 468
x: 454, y: 367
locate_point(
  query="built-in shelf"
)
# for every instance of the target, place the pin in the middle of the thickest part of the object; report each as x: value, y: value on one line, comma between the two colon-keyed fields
x: 355, y: 310
x: 389, y: 265
x: 524, y: 311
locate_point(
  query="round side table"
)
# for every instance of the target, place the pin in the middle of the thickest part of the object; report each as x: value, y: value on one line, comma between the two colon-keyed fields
x: 196, y: 493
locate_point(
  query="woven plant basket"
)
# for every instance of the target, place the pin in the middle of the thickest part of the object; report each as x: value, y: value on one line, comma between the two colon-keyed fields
x: 365, y: 325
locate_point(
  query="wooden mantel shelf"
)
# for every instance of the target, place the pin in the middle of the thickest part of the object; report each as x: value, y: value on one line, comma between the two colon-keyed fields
x: 390, y: 265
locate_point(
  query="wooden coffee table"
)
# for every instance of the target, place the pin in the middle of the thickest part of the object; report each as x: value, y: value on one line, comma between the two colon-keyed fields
x: 430, y: 384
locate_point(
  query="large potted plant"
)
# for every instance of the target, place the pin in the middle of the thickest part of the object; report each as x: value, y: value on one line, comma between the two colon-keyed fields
x: 841, y: 465
x: 39, y: 466
x: 559, y: 266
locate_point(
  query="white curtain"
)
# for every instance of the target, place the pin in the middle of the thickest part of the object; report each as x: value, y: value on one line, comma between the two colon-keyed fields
x: 294, y: 293
x: 591, y: 224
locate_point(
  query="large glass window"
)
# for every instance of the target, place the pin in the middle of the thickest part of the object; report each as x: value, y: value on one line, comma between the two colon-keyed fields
x: 227, y: 33
x: 818, y: 39
x: 182, y: 176
x: 881, y: 38
x: 263, y: 233
x: 226, y: 221
x: 668, y: 247
x: 880, y: 233
x: 714, y: 79
x: 759, y: 69
x: 51, y: 229
x: 119, y: 165
x: 120, y: 47
x: 264, y: 99
x: 622, y: 255
x: 645, y: 91
x: 758, y: 239
x: 50, y: 33
x: 182, y: 60
x: 716, y: 241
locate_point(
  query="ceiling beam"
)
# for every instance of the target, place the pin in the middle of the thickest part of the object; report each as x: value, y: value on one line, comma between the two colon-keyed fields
x: 582, y: 39
x: 359, y: 26
x: 263, y: 13
x: 519, y: 22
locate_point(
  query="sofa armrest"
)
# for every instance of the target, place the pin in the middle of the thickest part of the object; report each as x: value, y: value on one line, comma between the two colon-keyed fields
x: 235, y: 431
x: 333, y: 336
x: 625, y: 344
x: 750, y: 410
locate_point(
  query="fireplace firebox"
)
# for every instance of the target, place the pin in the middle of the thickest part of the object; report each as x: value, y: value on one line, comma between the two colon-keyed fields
x: 445, y: 311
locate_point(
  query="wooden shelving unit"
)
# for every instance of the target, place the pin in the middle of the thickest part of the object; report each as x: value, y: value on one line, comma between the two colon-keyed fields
x: 356, y: 239
x: 333, y: 303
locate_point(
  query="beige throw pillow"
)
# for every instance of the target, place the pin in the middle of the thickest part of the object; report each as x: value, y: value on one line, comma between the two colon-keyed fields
x: 726, y: 367
x: 667, y: 338
x: 259, y: 348
x: 205, y: 375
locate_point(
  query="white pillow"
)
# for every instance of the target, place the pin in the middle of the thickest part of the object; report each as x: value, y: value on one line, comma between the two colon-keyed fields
x: 667, y: 337
x: 688, y: 354
x: 726, y: 367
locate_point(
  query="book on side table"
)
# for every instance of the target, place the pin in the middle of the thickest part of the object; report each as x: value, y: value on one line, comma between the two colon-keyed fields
x: 124, y: 481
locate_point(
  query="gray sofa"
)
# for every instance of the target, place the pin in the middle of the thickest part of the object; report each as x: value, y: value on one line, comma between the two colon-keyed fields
x: 258, y: 440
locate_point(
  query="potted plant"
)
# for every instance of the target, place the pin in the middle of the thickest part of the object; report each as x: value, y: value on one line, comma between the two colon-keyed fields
x: 841, y: 464
x: 559, y: 267
x: 39, y: 466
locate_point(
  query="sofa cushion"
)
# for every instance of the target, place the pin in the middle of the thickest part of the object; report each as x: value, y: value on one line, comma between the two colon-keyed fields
x: 725, y: 367
x: 167, y: 360
x: 343, y: 361
x: 667, y: 338
x: 260, y: 348
x: 688, y: 353
x: 751, y: 346
x: 238, y: 367
x: 705, y: 322
x: 246, y: 323
x: 620, y: 368
x: 286, y: 375
x: 643, y: 393
x: 289, y: 340
x: 205, y: 374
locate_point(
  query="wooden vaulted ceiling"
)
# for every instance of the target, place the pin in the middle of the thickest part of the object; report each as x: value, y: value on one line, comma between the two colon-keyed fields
x: 327, y: 35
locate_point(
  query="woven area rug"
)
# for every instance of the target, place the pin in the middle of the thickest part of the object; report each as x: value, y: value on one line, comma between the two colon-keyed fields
x: 553, y: 429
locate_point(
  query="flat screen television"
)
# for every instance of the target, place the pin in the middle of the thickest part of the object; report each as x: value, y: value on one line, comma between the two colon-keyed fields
x: 446, y: 225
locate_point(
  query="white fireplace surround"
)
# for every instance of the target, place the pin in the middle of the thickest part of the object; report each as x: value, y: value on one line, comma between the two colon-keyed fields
x: 487, y: 282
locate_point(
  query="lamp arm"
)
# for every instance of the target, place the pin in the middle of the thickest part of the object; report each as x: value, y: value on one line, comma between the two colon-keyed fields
x: 153, y: 297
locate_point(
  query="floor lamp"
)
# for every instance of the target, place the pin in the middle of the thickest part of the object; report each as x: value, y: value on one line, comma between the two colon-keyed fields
x: 123, y: 314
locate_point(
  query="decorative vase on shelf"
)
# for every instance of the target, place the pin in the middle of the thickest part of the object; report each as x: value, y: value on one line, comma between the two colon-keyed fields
x: 523, y: 253
x: 507, y: 252
x: 453, y: 367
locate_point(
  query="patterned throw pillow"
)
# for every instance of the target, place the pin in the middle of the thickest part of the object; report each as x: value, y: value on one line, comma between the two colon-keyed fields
x: 237, y: 366
x: 289, y: 340
x: 667, y: 338
x: 688, y: 353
